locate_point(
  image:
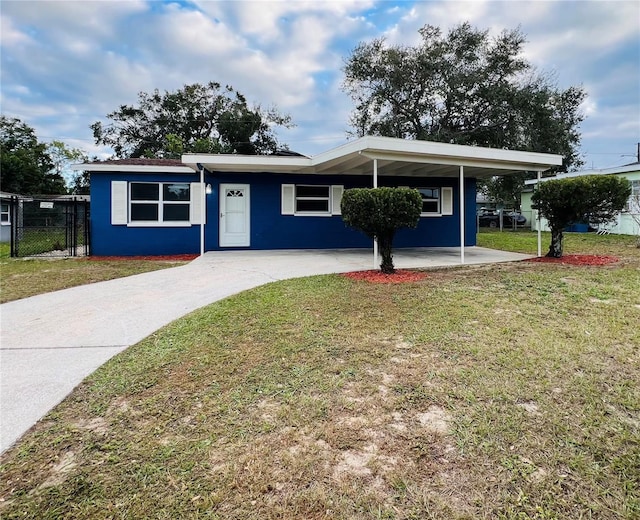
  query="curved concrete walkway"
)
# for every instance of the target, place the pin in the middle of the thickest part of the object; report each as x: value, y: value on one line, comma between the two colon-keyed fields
x: 51, y: 342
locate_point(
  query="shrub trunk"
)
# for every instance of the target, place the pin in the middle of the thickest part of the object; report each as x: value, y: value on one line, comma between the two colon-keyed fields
x: 385, y: 241
x: 557, y: 242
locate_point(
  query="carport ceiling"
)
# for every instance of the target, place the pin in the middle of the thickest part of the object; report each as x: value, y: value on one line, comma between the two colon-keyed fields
x: 395, y: 157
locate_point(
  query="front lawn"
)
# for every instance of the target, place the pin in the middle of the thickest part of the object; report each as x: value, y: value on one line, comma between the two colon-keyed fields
x: 21, y: 278
x: 509, y: 391
x: 522, y: 241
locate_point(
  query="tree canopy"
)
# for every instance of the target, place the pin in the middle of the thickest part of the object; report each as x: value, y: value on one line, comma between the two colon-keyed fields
x: 62, y: 156
x: 197, y: 118
x: 464, y: 87
x: 26, y: 166
x: 589, y: 198
x: 379, y: 213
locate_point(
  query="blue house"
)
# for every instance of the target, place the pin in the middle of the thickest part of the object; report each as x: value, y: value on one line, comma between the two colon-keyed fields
x: 209, y: 202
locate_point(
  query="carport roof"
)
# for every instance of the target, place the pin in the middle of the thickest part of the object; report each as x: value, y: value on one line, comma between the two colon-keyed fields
x: 395, y: 157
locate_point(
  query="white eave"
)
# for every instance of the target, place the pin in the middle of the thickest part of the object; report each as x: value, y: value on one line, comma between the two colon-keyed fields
x: 130, y: 168
x: 627, y: 168
x: 395, y: 157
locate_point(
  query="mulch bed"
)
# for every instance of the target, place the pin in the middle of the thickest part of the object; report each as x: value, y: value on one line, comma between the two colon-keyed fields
x: 160, y: 258
x: 374, y: 276
x: 578, y: 260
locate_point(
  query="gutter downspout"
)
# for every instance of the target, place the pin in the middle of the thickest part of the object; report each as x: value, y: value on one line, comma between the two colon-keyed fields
x: 203, y: 203
x: 461, y: 214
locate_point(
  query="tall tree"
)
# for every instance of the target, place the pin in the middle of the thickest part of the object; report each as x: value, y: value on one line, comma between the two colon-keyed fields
x: 62, y: 156
x: 464, y: 88
x: 26, y: 165
x: 590, y: 198
x: 197, y: 118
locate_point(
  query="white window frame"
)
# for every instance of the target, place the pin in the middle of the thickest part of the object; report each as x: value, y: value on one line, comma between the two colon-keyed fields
x: 445, y: 200
x: 121, y: 204
x: 4, y: 212
x: 160, y: 203
x: 635, y: 196
x: 290, y: 200
x: 437, y: 199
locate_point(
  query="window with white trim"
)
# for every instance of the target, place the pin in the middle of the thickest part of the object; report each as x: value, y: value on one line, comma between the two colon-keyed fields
x: 4, y: 213
x: 436, y: 202
x: 633, y: 202
x: 430, y: 201
x: 167, y: 204
x: 311, y: 199
x: 159, y: 202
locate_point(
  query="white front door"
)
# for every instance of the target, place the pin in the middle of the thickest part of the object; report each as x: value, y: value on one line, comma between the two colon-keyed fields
x: 234, y: 215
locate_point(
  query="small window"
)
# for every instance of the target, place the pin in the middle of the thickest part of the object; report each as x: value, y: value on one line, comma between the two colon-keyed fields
x: 430, y: 201
x: 312, y: 199
x: 633, y: 203
x: 4, y: 213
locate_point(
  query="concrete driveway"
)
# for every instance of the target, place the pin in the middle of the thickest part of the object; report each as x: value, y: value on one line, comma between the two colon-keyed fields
x: 51, y: 342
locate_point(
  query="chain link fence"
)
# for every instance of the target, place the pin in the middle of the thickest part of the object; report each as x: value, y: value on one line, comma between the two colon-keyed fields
x: 49, y: 227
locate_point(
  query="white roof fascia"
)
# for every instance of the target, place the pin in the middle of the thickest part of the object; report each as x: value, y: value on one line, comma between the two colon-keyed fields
x: 457, y: 151
x: 460, y: 161
x: 130, y: 168
x: 242, y: 163
x: 387, y: 148
x: 628, y: 168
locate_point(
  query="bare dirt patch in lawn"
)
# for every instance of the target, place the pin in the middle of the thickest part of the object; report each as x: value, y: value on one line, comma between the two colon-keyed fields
x: 374, y: 276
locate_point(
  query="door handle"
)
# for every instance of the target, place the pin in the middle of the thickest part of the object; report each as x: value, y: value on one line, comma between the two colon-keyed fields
x: 221, y: 215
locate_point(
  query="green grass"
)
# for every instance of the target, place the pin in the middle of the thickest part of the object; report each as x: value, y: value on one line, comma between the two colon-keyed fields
x: 36, y: 241
x: 21, y: 278
x: 508, y: 391
x: 584, y: 243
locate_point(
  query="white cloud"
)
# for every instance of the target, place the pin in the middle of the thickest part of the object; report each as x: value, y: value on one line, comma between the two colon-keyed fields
x: 10, y: 35
x: 66, y: 64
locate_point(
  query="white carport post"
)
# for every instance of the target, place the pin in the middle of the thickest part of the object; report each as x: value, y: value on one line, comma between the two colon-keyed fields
x: 203, y: 203
x: 539, y: 221
x: 461, y: 214
x: 375, y: 242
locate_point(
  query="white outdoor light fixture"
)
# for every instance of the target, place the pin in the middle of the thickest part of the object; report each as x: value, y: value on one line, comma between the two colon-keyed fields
x: 208, y: 189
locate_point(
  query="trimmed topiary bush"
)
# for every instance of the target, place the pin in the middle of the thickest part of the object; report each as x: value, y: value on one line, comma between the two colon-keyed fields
x: 590, y: 198
x: 379, y: 213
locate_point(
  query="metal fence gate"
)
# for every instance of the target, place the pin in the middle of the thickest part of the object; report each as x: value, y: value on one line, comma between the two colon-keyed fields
x: 49, y: 227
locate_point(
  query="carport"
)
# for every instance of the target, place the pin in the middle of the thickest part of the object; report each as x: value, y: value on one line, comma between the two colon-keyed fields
x: 384, y: 157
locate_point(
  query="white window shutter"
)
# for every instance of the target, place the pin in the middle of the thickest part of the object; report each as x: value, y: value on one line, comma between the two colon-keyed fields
x: 119, y: 206
x: 288, y: 199
x: 447, y: 201
x: 195, y: 208
x: 336, y: 198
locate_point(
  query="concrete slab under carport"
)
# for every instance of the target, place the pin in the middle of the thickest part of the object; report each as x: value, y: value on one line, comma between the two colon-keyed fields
x: 49, y: 343
x: 325, y: 261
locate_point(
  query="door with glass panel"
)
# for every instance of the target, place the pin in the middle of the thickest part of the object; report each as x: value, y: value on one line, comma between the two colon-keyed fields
x: 234, y: 215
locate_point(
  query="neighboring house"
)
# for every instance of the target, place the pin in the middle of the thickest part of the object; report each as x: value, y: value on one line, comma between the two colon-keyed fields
x: 287, y: 201
x: 627, y: 222
x: 5, y: 216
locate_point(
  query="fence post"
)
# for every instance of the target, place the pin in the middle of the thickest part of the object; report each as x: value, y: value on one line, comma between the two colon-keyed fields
x: 13, y: 220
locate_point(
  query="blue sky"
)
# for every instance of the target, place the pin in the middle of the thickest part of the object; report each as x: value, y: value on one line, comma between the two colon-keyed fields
x: 66, y: 64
